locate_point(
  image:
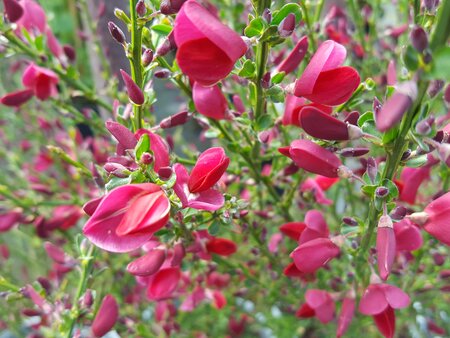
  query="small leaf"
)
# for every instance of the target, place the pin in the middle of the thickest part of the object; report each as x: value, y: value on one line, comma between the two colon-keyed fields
x: 162, y: 29
x: 255, y: 28
x: 117, y: 182
x: 142, y: 146
x: 441, y: 64
x: 278, y: 16
x: 367, y: 116
x: 417, y: 162
x: 277, y: 78
x: 248, y: 69
x: 214, y: 228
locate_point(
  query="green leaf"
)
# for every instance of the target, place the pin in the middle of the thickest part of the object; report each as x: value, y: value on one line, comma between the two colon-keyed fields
x: 271, y: 33
x: 393, y: 189
x: 162, y: 29
x: 441, y: 64
x: 264, y: 122
x: 214, y: 228
x: 278, y: 77
x: 390, y: 135
x: 276, y: 93
x: 369, y: 190
x: 255, y: 27
x: 411, y: 58
x: 417, y: 162
x: 248, y: 69
x: 252, y: 88
x: 142, y: 146
x: 117, y: 182
x: 367, y: 116
x: 278, y: 16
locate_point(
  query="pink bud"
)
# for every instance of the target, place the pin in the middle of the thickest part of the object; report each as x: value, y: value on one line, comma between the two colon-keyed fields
x: 106, y: 317
x: 209, y: 101
x: 385, y: 246
x: 55, y: 253
x: 175, y: 120
x: 70, y: 52
x: 296, y: 56
x: 116, y: 33
x: 141, y: 9
x: 419, y: 39
x: 313, y: 158
x: 147, y: 57
x: 286, y: 27
x: 148, y: 264
x: 134, y: 92
x: 164, y: 283
x: 346, y: 315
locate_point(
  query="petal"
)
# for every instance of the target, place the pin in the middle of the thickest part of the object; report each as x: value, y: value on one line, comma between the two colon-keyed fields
x: 395, y: 296
x: 386, y: 249
x: 407, y: 236
x: 122, y: 134
x: 373, y: 300
x: 13, y: 10
x: 346, y: 316
x: 314, y: 220
x: 295, y: 56
x: 316, y: 298
x: 335, y: 86
x: 163, y: 284
x: 438, y: 224
x: 221, y: 246
x: 134, y: 91
x: 148, y: 264
x: 106, y: 317
x: 209, y: 101
x: 181, y: 185
x: 392, y: 111
x: 17, y: 98
x: 312, y: 255
x: 323, y: 126
x: 209, y: 200
x: 413, y: 178
x: 385, y: 321
x: 293, y: 229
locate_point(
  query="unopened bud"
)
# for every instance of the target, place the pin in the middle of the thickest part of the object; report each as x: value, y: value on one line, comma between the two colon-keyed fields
x: 106, y: 317
x: 141, y: 9
x: 286, y: 27
x: 147, y: 57
x: 87, y: 299
x: 425, y: 127
x: 265, y: 81
x: 167, y: 46
x: 447, y: 94
x: 120, y: 14
x: 349, y: 221
x: 162, y: 74
x: 146, y: 158
x: 406, y: 154
x: 381, y: 192
x: 354, y: 152
x: 69, y: 51
x: 430, y: 5
x: 444, y: 153
x: 264, y: 136
x: 398, y: 213
x: 372, y: 169
x: 165, y: 173
x: 175, y: 120
x: 116, y: 33
x: 13, y: 10
x: 116, y: 169
x: 267, y: 15
x: 435, y: 87
x: 419, y: 39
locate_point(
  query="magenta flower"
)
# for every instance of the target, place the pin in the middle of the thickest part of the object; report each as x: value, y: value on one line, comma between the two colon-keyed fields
x: 41, y: 80
x: 163, y: 283
x: 386, y: 246
x: 134, y: 92
x: 158, y: 147
x: 209, y: 101
x: 313, y: 158
x: 210, y: 200
x: 106, y: 317
x: 207, y: 49
x: 435, y: 219
x: 380, y: 300
x: 13, y: 10
x: 318, y: 186
x: 33, y: 17
x: 412, y: 179
x: 320, y: 304
x: 17, y: 98
x: 324, y: 80
x: 295, y: 56
x: 315, y: 227
x: 293, y: 229
x: 210, y: 167
x: 407, y: 236
x: 127, y: 217
x: 313, y: 255
x: 346, y: 315
x: 149, y: 264
x: 9, y: 219
x: 221, y: 246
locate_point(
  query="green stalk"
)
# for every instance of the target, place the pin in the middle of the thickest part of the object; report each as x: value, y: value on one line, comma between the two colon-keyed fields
x: 311, y: 36
x: 135, y: 60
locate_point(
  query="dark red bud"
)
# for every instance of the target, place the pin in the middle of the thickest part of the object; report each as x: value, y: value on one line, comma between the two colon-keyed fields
x: 265, y: 81
x: 447, y: 94
x: 165, y: 173
x: 398, y: 213
x: 372, y: 169
x: 349, y: 221
x: 354, y: 152
x: 435, y: 87
x: 425, y: 127
x: 147, y: 57
x: 146, y: 158
x: 116, y: 33
x: 175, y: 120
x: 69, y: 51
x: 267, y: 15
x: 381, y: 192
x: 286, y: 27
x: 419, y: 39
x: 141, y: 9
x: 134, y: 92
x: 13, y: 10
x: 162, y: 74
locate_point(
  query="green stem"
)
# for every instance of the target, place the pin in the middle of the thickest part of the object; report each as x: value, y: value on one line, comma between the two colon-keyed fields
x: 87, y: 264
x: 318, y: 10
x: 357, y: 17
x: 311, y: 36
x: 135, y: 60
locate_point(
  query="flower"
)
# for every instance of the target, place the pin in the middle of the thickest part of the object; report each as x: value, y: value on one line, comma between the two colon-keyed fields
x: 134, y: 92
x: 210, y: 167
x: 312, y: 158
x: 149, y: 264
x: 163, y: 283
x: 17, y: 98
x: 295, y: 56
x: 320, y: 304
x: 407, y: 236
x: 207, y: 49
x: 294, y: 106
x: 323, y: 80
x: 42, y: 81
x: 209, y: 101
x: 33, y: 17
x: 314, y: 254
x: 346, y: 315
x: 379, y: 300
x: 386, y: 246
x: 127, y: 217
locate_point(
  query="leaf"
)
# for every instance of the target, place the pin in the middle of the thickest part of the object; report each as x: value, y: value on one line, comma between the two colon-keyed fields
x: 162, y: 29
x: 214, y: 228
x: 278, y: 77
x: 248, y: 69
x: 255, y: 27
x: 264, y: 122
x: 284, y: 11
x: 393, y: 189
x: 441, y: 64
x: 411, y: 58
x: 367, y: 116
x: 417, y: 162
x: 117, y: 182
x: 142, y: 146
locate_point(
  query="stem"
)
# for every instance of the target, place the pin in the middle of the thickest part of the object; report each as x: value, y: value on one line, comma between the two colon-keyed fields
x: 357, y: 17
x: 318, y: 10
x: 135, y: 60
x: 87, y: 263
x: 311, y: 36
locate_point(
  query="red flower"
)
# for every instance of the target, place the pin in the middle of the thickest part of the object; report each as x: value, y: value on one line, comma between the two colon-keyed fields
x: 41, y: 80
x: 209, y: 168
x: 17, y: 98
x: 207, y: 49
x: 293, y: 229
x: 221, y: 246
x: 320, y: 304
x: 163, y: 284
x: 324, y: 81
x: 294, y: 106
x: 312, y: 255
x: 295, y: 56
x: 127, y: 217
x: 106, y: 317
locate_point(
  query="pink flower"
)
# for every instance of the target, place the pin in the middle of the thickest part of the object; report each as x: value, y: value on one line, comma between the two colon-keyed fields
x: 315, y: 227
x: 149, y: 264
x: 407, y: 236
x: 295, y: 56
x: 134, y: 92
x: 386, y: 246
x: 294, y: 106
x: 210, y: 200
x: 313, y: 158
x: 346, y: 315
x: 435, y: 219
x: 127, y: 217
x: 207, y: 49
x: 412, y: 179
x: 293, y: 229
x: 320, y: 304
x: 158, y: 147
x: 106, y: 317
x: 324, y: 81
x: 380, y: 300
x: 318, y: 186
x: 313, y: 255
x: 41, y: 80
x: 210, y: 167
x: 9, y: 219
x: 33, y: 17
x: 209, y: 101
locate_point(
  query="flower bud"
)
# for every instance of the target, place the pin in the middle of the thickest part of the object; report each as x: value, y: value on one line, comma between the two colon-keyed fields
x: 265, y: 81
x: 425, y: 127
x: 386, y: 246
x: 87, y: 299
x: 372, y: 169
x: 398, y: 213
x: 167, y: 46
x: 120, y: 14
x: 209, y: 168
x: 354, y: 152
x: 147, y: 57
x: 430, y: 5
x: 162, y: 74
x: 175, y: 120
x: 69, y: 51
x: 264, y: 136
x: 267, y: 15
x: 146, y: 158
x: 106, y: 317
x: 381, y: 192
x: 435, y: 87
x: 141, y: 9
x: 286, y: 27
x: 165, y: 173
x: 447, y: 94
x: 419, y: 39
x: 148, y: 264
x: 134, y: 92
x: 116, y: 33
x: 406, y: 154
x: 444, y: 153
x: 349, y: 221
